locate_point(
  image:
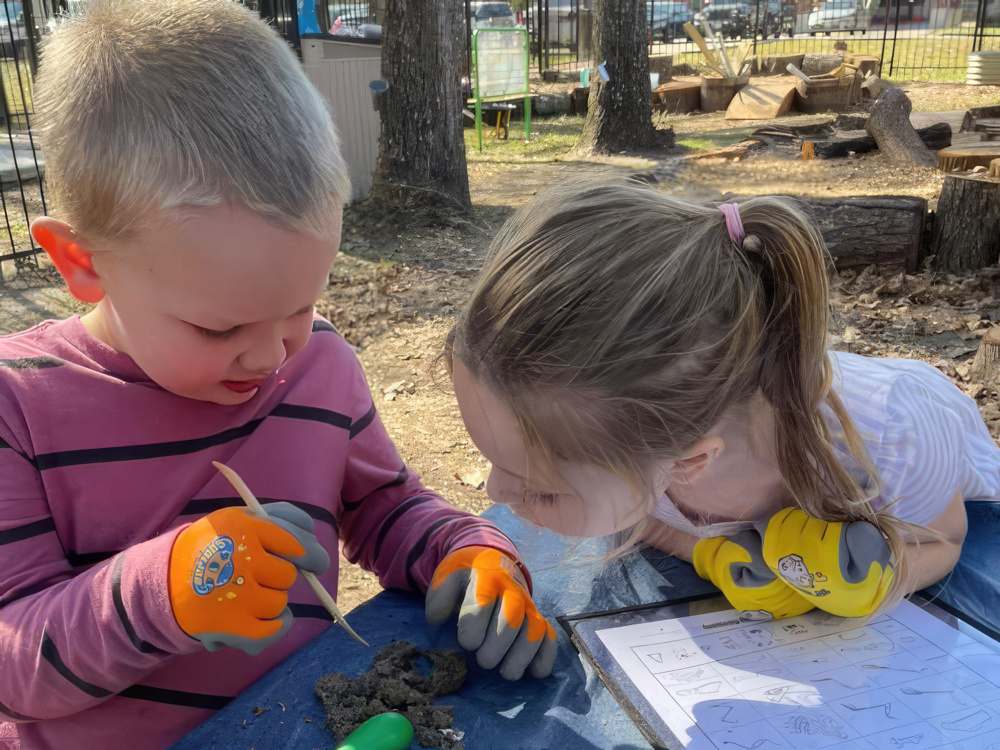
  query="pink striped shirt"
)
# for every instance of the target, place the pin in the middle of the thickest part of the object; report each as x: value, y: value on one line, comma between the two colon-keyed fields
x: 99, y: 470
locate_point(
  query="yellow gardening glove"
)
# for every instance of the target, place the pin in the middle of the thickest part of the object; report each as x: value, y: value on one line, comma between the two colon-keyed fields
x: 735, y: 565
x: 496, y: 616
x: 844, y: 568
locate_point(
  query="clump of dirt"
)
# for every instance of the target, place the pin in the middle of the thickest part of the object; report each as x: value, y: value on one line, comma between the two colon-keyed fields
x: 402, y: 678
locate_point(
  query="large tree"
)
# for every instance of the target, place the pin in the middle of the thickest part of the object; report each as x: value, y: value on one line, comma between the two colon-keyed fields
x: 421, y: 161
x: 619, y: 115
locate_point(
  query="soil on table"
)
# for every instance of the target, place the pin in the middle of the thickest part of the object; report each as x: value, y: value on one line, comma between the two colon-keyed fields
x: 402, y: 678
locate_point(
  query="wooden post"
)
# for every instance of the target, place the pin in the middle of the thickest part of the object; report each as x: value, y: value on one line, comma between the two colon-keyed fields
x: 967, y: 222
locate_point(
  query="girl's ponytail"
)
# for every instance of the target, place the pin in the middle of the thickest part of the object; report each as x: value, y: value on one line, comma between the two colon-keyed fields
x: 795, y: 374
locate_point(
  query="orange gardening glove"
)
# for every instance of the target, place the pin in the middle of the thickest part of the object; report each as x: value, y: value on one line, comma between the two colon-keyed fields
x: 230, y: 572
x: 496, y: 617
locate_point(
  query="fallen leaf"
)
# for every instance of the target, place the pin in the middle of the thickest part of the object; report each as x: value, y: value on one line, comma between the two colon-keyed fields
x: 472, y: 477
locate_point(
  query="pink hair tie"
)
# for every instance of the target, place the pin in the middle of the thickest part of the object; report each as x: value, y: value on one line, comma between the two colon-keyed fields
x: 733, y: 222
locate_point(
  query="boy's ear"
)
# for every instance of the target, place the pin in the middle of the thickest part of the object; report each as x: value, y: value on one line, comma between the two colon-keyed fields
x: 696, y: 461
x: 72, y: 260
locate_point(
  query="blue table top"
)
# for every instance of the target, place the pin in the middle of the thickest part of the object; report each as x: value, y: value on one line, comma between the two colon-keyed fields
x: 571, y: 708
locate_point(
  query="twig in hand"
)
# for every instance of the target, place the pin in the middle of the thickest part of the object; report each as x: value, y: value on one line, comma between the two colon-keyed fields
x: 254, y: 505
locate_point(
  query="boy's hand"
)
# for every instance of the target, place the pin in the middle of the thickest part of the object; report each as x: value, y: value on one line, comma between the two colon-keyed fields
x: 496, y: 617
x: 841, y: 567
x: 231, y: 570
x: 735, y: 564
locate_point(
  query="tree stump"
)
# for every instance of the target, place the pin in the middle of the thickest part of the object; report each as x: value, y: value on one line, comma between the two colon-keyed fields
x: 967, y: 222
x: 890, y: 126
x: 986, y: 366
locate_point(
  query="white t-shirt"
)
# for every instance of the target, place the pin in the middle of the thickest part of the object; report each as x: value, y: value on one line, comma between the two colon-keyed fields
x: 926, y: 438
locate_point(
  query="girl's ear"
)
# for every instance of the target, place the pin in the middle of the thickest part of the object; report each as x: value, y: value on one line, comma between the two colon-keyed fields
x: 72, y: 260
x: 696, y: 461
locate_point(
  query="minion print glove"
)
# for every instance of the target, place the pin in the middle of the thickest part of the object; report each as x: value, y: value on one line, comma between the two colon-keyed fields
x: 229, y: 574
x: 496, y: 617
x: 736, y: 566
x: 844, y: 568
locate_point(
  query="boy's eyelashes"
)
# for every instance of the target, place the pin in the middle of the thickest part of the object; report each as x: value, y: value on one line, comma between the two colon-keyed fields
x: 213, y: 333
x: 217, y: 334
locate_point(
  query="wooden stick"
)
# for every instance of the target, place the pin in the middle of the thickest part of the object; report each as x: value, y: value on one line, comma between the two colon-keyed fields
x: 698, y: 39
x: 254, y: 505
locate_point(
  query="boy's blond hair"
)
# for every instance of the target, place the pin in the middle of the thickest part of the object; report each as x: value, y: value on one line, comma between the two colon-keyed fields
x: 148, y: 105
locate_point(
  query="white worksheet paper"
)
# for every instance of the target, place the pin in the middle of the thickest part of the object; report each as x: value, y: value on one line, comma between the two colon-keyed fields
x: 902, y: 681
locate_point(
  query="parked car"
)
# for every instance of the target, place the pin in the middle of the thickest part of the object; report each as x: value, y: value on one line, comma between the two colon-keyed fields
x: 485, y: 15
x: 12, y: 14
x: 667, y: 19
x: 839, y: 15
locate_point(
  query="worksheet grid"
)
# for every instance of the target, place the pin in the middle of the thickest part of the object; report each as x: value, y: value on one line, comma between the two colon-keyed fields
x: 789, y: 684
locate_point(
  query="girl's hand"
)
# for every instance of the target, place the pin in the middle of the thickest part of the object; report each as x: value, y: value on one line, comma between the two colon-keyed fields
x: 496, y: 616
x: 841, y: 567
x: 735, y: 564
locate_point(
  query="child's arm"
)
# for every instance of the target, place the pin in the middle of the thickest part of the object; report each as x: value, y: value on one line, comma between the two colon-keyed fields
x: 667, y: 539
x: 936, y: 553
x: 69, y: 642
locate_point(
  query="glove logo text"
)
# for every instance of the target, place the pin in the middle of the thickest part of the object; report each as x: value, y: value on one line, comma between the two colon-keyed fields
x: 214, y: 566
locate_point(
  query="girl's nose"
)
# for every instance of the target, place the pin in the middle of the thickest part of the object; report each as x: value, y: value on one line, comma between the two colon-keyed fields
x: 265, y: 355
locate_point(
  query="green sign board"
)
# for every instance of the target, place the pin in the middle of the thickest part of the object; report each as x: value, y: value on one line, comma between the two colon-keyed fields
x: 500, y: 71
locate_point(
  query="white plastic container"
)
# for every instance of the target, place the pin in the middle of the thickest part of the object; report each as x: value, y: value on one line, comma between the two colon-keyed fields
x: 984, y: 69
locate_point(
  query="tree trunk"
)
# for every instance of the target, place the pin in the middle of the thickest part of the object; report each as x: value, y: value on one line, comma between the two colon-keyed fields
x: 967, y: 223
x: 619, y: 112
x: 421, y: 161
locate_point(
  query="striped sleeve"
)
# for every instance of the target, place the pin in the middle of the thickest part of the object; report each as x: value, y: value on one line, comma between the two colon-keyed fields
x: 391, y: 524
x: 67, y: 643
x: 922, y: 455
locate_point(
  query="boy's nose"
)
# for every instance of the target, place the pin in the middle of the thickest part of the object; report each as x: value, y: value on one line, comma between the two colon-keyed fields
x: 265, y: 355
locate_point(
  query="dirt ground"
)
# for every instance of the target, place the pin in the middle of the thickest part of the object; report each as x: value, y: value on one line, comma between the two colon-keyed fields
x: 395, y: 292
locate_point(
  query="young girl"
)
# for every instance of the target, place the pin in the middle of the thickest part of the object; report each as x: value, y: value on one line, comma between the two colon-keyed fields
x: 632, y: 361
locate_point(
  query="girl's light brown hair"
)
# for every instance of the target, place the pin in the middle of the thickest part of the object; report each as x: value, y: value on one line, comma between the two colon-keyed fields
x: 620, y: 324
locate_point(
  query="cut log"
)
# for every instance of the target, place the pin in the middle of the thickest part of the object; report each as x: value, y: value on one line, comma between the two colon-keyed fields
x: 994, y: 169
x: 890, y: 126
x: 844, y: 142
x: 986, y: 366
x: 762, y: 101
x: 819, y: 63
x: 967, y: 223
x: 883, y: 230
x: 850, y: 122
x: 775, y: 66
x: 968, y: 156
x: 866, y: 64
x: 677, y: 97
x: 977, y: 113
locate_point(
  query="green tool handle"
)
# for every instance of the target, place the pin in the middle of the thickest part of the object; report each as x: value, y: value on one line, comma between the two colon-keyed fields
x: 388, y: 731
